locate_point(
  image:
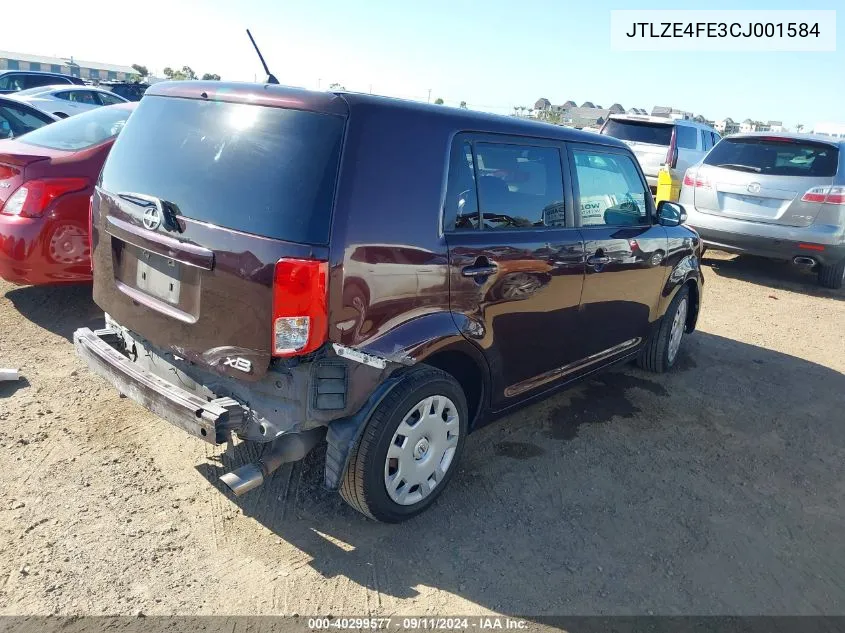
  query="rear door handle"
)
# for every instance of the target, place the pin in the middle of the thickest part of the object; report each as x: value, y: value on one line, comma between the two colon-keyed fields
x: 598, y: 260
x: 484, y: 270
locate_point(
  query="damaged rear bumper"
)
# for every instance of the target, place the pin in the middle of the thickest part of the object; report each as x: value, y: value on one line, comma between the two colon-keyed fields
x: 211, y: 421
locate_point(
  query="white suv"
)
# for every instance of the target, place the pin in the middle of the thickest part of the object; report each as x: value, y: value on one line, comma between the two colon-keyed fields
x: 658, y: 141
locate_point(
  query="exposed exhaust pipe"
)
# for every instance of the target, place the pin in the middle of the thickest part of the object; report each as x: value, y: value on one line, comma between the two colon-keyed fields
x: 290, y: 447
x: 803, y: 261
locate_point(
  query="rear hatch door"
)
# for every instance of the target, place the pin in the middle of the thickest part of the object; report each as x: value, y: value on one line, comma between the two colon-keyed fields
x: 648, y: 140
x: 201, y: 195
x: 764, y: 178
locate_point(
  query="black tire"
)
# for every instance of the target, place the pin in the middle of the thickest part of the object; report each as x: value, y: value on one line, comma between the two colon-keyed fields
x: 363, y: 486
x: 832, y: 275
x: 654, y: 356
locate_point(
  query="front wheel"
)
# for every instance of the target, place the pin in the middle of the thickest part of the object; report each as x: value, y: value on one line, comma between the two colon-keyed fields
x: 409, y: 449
x: 661, y: 351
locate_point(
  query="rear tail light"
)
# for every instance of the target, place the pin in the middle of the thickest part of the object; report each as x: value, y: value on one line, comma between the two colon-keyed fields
x: 672, y: 154
x: 825, y: 195
x: 32, y: 198
x: 300, y: 314
x: 694, y: 179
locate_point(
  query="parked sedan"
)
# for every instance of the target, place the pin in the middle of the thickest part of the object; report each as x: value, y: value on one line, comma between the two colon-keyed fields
x: 16, y: 118
x: 775, y: 195
x: 65, y: 101
x: 46, y: 181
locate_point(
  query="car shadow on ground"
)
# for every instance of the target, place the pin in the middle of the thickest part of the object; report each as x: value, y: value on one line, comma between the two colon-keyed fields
x: 775, y: 274
x: 60, y: 309
x: 10, y: 387
x: 714, y: 489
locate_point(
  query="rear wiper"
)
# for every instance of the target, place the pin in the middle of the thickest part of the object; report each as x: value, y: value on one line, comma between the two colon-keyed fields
x: 756, y: 170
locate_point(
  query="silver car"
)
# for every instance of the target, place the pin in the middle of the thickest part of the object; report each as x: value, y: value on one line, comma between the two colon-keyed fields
x: 64, y: 101
x: 658, y: 141
x: 775, y: 195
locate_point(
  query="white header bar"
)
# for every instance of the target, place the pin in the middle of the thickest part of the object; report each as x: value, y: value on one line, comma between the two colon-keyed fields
x: 710, y: 30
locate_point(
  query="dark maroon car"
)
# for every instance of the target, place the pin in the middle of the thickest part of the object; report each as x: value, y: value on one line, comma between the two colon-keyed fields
x: 46, y: 180
x: 282, y: 267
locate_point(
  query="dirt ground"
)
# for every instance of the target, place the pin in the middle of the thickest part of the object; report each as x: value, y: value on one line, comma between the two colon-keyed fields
x: 716, y: 489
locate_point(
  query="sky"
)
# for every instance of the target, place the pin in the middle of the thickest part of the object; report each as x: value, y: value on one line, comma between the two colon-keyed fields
x: 493, y: 54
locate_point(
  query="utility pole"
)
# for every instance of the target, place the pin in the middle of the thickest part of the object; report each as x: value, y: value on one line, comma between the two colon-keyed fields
x: 318, y: 83
x: 429, y: 95
x: 371, y: 88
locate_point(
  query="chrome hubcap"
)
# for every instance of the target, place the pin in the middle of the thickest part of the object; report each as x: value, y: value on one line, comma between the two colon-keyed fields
x: 677, y: 332
x: 422, y: 450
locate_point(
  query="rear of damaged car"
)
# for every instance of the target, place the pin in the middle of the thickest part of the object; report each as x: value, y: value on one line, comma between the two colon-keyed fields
x: 210, y: 251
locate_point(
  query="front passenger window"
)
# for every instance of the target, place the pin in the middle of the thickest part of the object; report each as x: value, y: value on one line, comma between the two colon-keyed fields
x: 610, y: 189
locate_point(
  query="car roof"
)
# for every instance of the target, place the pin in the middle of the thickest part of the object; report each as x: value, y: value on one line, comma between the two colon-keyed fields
x: 818, y: 138
x: 474, y: 121
x: 43, y: 73
x: 645, y: 118
x: 347, y: 102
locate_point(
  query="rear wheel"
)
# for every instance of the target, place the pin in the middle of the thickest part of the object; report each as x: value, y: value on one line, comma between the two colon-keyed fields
x: 832, y: 275
x: 661, y: 351
x: 409, y: 449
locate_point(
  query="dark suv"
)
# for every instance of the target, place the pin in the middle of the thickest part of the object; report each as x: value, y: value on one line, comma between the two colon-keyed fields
x: 12, y: 81
x: 282, y: 266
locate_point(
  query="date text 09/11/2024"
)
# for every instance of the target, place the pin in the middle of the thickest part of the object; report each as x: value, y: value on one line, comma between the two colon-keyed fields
x: 424, y: 623
x: 722, y: 29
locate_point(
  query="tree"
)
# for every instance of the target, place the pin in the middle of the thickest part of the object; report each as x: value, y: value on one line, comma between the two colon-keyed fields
x: 799, y: 127
x: 142, y: 71
x: 463, y: 105
x: 516, y: 110
x: 186, y: 73
x: 210, y: 77
x: 438, y: 101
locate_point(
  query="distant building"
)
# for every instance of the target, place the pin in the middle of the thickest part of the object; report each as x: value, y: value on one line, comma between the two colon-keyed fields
x: 542, y: 104
x: 92, y: 71
x: 589, y: 115
x: 726, y: 126
x: 835, y: 130
x: 670, y: 113
x: 776, y: 126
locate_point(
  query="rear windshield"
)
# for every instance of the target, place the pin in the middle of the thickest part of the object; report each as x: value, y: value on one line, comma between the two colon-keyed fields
x: 775, y: 157
x: 639, y: 131
x: 257, y: 169
x: 80, y: 131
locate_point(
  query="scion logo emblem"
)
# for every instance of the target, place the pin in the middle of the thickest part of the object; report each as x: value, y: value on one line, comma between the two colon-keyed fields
x: 152, y: 218
x: 754, y: 187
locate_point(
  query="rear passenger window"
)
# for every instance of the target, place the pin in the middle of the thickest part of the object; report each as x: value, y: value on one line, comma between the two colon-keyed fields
x: 519, y: 186
x: 611, y: 192
x: 706, y: 140
x: 687, y: 137
x: 504, y: 186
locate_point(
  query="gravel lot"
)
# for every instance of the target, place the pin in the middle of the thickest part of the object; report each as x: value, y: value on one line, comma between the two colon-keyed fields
x: 716, y: 489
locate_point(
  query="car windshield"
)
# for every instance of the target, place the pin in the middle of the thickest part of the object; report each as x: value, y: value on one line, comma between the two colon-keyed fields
x: 80, y: 131
x: 639, y: 131
x: 775, y: 156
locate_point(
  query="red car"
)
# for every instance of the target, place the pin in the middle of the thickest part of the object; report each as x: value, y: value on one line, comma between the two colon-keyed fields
x: 46, y: 180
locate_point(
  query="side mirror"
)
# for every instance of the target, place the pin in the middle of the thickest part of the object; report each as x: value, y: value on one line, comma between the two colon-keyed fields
x: 671, y: 213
